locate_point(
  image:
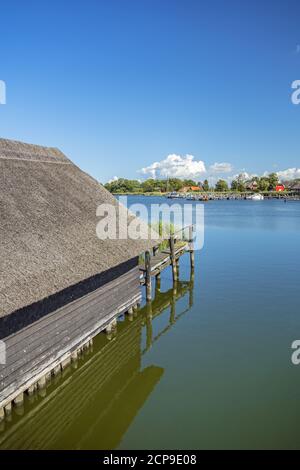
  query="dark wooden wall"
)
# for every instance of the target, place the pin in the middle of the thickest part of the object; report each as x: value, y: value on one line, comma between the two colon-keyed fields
x: 35, y: 347
x: 19, y: 319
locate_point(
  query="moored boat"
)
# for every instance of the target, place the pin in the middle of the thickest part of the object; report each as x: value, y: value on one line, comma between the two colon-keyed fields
x: 174, y: 195
x: 256, y: 197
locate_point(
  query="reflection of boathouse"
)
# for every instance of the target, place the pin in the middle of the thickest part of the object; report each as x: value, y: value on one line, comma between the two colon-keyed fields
x: 93, y: 405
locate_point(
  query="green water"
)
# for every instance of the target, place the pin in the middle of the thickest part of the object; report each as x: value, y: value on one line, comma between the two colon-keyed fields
x: 207, y: 365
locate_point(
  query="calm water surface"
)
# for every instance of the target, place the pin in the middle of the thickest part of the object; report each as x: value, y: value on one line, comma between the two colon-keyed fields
x: 212, y: 369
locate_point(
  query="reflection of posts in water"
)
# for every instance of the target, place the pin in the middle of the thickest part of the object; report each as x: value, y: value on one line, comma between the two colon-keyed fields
x: 149, y: 328
x: 173, y: 308
x: 191, y: 289
x: 157, y: 283
x: 163, y: 301
x: 148, y: 276
x: 110, y: 386
x: 102, y: 398
x: 175, y: 286
x: 191, y: 247
x: 149, y: 311
x: 177, y: 267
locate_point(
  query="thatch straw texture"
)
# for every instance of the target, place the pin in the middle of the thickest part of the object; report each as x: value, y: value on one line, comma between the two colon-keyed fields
x: 48, y: 226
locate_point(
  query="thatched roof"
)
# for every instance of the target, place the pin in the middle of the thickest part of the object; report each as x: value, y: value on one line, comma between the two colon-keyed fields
x: 48, y: 226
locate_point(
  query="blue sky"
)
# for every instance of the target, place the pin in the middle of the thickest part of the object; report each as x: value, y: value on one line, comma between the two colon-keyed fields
x: 119, y: 85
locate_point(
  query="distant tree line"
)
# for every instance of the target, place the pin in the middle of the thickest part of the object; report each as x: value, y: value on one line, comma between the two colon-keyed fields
x: 262, y: 183
x: 151, y: 185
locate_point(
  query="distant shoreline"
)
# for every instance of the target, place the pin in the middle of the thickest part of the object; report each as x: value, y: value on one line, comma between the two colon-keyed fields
x: 205, y: 193
x: 214, y: 195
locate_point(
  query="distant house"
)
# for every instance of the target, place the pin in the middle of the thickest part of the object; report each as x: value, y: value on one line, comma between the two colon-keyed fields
x: 187, y: 189
x: 279, y: 188
x: 295, y: 187
x: 252, y: 186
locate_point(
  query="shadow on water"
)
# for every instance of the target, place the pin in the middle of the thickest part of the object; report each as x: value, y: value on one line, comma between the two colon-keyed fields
x: 93, y: 403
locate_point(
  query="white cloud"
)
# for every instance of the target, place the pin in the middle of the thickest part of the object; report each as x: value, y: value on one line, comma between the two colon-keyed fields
x: 283, y: 175
x: 221, y: 168
x: 289, y: 174
x: 244, y: 176
x: 115, y: 178
x: 176, y: 166
x: 187, y: 167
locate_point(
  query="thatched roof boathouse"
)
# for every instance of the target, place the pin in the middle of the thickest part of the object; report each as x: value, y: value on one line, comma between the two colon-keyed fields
x: 59, y: 284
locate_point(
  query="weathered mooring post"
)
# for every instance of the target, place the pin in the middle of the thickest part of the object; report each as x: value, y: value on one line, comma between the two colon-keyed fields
x: 177, y: 267
x: 111, y: 329
x: 173, y: 260
x: 157, y: 276
x: 191, y: 247
x: 155, y: 250
x: 130, y: 314
x: 2, y: 414
x: 148, y: 276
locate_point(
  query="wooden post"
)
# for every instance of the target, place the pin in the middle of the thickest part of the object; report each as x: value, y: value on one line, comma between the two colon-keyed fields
x: 191, y: 246
x: 56, y: 371
x: 177, y: 267
x: 172, y: 255
x: 8, y: 409
x: 130, y: 314
x: 64, y: 364
x: 148, y: 276
x: 111, y: 329
x: 74, y: 356
x: 157, y: 277
x: 2, y: 415
x: 19, y: 400
x: 155, y: 250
